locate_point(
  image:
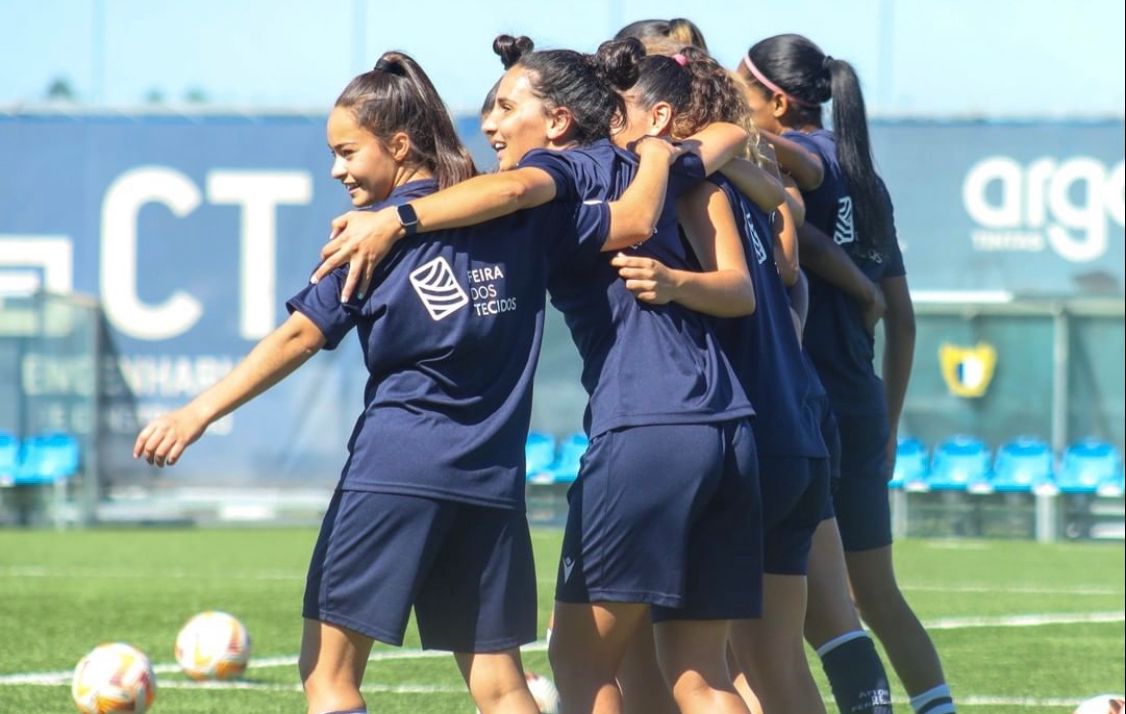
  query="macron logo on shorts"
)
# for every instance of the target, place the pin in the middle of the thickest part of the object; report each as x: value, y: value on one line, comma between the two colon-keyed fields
x: 568, y: 566
x: 438, y: 290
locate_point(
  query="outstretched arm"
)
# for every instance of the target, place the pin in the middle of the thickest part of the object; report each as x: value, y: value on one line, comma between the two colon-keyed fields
x: 755, y: 182
x: 272, y: 360
x: 724, y: 287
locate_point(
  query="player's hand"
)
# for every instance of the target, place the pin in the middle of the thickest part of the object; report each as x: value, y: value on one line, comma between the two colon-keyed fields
x: 361, y: 239
x: 648, y: 280
x: 658, y: 148
x: 873, y: 309
x: 163, y: 441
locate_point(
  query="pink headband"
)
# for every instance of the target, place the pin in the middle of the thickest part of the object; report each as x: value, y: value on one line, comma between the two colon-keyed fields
x: 774, y: 87
x: 680, y: 59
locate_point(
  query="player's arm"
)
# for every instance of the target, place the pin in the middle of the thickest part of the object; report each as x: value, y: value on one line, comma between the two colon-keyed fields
x: 820, y: 254
x: 634, y: 216
x: 724, y: 287
x: 796, y: 160
x: 899, y: 350
x: 786, y: 254
x: 274, y: 358
x: 363, y: 238
x: 754, y: 182
x: 717, y: 144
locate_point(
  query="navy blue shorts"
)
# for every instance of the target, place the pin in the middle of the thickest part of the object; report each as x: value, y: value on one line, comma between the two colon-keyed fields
x: 861, y: 498
x: 466, y: 569
x: 794, y: 492
x: 832, y: 438
x: 668, y: 515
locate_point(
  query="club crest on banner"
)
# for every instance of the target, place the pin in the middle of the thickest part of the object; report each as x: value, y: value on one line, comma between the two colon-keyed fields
x: 967, y: 370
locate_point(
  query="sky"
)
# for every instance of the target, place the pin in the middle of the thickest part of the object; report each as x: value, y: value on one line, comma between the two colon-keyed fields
x: 916, y: 58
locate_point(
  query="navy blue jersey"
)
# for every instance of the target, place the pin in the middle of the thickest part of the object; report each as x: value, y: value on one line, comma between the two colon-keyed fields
x: 450, y: 334
x: 642, y: 364
x: 840, y: 347
x: 763, y: 346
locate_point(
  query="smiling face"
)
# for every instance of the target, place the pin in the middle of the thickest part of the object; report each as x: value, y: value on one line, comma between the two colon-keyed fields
x: 519, y: 121
x: 368, y: 169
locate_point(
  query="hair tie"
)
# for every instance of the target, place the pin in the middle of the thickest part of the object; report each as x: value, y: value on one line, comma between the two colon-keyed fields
x: 826, y: 62
x: 389, y: 67
x: 680, y: 59
x: 774, y: 87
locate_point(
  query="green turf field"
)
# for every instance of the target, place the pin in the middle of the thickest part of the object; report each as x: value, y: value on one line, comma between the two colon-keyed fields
x: 1021, y: 627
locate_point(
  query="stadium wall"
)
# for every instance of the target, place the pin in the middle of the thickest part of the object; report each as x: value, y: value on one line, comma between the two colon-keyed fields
x: 191, y: 231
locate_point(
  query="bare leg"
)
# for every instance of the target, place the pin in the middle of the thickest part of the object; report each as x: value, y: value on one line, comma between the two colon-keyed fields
x: 332, y: 664
x: 771, y: 652
x: 588, y: 644
x: 742, y: 685
x: 693, y: 658
x: 884, y: 608
x: 830, y: 612
x: 496, y: 681
x: 643, y: 686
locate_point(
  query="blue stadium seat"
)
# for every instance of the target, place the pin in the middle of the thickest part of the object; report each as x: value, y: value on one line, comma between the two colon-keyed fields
x: 539, y: 453
x: 48, y: 458
x: 1022, y: 465
x: 571, y: 450
x: 1088, y: 465
x: 910, y: 465
x: 961, y: 463
x: 9, y: 458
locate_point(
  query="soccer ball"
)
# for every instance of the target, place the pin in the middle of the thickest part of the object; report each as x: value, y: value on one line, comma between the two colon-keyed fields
x: 213, y: 645
x: 544, y: 692
x: 113, y: 678
x: 1102, y: 704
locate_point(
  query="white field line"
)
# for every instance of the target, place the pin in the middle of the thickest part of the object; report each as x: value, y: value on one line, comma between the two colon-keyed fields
x: 1063, y: 618
x: 41, y: 571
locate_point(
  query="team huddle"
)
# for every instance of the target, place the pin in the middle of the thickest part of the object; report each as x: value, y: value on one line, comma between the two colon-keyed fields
x: 722, y: 261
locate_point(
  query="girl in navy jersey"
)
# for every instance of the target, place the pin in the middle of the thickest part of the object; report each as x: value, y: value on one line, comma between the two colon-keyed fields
x: 789, y: 79
x: 678, y: 94
x: 669, y: 478
x: 429, y: 511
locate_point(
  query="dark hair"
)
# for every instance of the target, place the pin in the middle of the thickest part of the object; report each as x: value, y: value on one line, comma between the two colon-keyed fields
x: 700, y: 92
x: 398, y: 96
x: 490, y: 99
x: 803, y: 71
x: 679, y: 30
x: 587, y: 85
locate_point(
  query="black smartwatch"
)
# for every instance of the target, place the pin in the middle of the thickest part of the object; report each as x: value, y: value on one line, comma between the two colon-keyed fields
x: 408, y: 219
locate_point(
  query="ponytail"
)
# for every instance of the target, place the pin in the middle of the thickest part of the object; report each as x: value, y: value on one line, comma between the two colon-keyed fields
x: 796, y: 67
x: 854, y: 153
x: 396, y: 95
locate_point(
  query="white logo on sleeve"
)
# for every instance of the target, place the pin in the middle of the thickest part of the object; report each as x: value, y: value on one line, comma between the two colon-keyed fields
x: 843, y: 232
x: 568, y: 565
x: 438, y: 289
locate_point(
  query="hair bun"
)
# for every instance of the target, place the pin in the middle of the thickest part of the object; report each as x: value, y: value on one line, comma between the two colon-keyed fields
x: 618, y: 62
x: 510, y: 49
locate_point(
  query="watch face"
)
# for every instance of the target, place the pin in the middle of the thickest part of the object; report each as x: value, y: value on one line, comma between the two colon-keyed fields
x: 407, y: 217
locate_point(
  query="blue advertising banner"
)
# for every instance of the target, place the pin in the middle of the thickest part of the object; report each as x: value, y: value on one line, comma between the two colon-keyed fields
x: 192, y: 231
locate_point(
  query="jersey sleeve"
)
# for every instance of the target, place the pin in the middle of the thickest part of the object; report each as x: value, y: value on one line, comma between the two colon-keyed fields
x: 321, y: 304
x: 558, y: 167
x: 686, y: 172
x: 803, y: 140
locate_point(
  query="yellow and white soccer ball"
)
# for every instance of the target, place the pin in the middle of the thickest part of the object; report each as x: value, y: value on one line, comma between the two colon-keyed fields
x: 113, y: 678
x: 213, y: 645
x: 1103, y: 704
x: 544, y: 692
